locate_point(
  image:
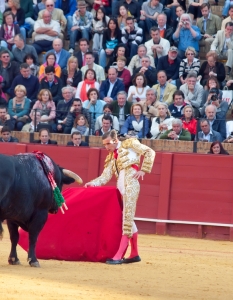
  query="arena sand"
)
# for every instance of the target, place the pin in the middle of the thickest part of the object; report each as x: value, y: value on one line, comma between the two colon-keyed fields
x: 171, y: 268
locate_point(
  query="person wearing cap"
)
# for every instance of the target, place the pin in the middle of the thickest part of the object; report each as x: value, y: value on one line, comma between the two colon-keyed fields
x: 170, y: 63
x: 82, y: 21
x: 187, y: 35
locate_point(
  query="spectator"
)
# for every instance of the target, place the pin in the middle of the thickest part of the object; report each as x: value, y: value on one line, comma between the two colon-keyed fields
x: 71, y: 75
x: 94, y: 105
x: 99, y: 25
x: 208, y: 24
x: 179, y: 12
x: 137, y: 91
x: 193, y: 92
x: 177, y: 107
x: 82, y: 21
x: 21, y: 49
x: 218, y: 125
x: 121, y: 107
x: 90, y: 58
x: 228, y: 19
x: 164, y: 89
x: 68, y: 7
x: 30, y: 59
x: 136, y: 59
x: 176, y: 133
x: 76, y: 138
x: 111, y: 39
x: 52, y: 83
x: 46, y: 106
x: 132, y: 6
x: 81, y: 125
x: 186, y: 35
x: 6, y: 119
x: 123, y: 73
x: 217, y: 148
x: 194, y: 9
x: 107, y: 111
x: 212, y: 68
x: 88, y: 83
x: 120, y: 50
x: 106, y: 126
x: 46, y: 30
x: 157, y: 46
x: 206, y: 134
x: 223, y: 45
x: 6, y: 136
x: 177, y: 8
x: 148, y: 71
x: 50, y: 61
x: 123, y: 14
x: 111, y: 86
x: 80, y: 55
x: 136, y: 125
x: 61, y: 54
x: 27, y: 7
x: 35, y: 120
x: 18, y: 107
x: 44, y: 138
x: 8, y: 30
x: 165, y: 31
x: 161, y: 123
x: 170, y: 64
x: 150, y: 104
x: 188, y: 64
x: 189, y: 122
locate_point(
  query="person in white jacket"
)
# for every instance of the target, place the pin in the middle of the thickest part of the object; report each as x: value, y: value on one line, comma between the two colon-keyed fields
x: 107, y: 110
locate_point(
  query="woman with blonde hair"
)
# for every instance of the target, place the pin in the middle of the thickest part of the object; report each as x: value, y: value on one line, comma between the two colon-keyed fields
x: 188, y: 64
x: 71, y: 75
x: 81, y: 125
x: 162, y: 122
x: 46, y: 105
x: 189, y: 122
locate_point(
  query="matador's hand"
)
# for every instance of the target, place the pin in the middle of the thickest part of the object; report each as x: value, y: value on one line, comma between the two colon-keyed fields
x: 139, y: 174
x: 89, y: 184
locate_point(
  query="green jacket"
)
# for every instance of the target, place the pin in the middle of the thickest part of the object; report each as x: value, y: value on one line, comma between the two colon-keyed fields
x: 184, y: 136
x: 27, y: 6
x: 213, y: 24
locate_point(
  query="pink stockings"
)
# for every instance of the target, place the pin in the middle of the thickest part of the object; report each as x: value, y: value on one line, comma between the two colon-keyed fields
x: 124, y: 245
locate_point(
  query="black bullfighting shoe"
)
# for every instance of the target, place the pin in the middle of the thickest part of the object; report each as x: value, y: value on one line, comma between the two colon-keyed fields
x: 131, y: 260
x: 114, y: 261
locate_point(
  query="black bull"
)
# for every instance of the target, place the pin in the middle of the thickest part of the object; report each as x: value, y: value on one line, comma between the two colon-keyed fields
x: 26, y: 198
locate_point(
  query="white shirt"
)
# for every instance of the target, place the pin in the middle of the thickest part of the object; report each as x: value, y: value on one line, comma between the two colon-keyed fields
x: 53, y: 25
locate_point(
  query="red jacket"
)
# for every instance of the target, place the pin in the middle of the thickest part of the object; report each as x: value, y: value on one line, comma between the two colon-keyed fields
x: 126, y: 76
x: 190, y: 126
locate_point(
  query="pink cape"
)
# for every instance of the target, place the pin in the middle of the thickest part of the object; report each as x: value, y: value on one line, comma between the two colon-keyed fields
x: 90, y: 230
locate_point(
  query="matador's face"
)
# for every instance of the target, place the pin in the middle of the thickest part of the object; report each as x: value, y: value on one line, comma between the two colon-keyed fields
x: 110, y: 144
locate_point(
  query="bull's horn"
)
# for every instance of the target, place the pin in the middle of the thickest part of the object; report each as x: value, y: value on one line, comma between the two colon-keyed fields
x: 72, y: 175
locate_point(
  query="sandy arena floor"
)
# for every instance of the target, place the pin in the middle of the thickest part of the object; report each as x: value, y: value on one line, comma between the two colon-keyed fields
x: 171, y: 268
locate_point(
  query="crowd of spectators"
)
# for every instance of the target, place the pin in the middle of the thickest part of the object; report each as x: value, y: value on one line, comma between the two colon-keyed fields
x: 137, y: 69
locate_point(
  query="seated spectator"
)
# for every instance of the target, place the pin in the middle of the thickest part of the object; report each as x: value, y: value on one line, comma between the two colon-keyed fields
x: 120, y: 50
x: 71, y: 75
x: 46, y: 106
x: 80, y: 55
x: 22, y: 49
x: 123, y: 73
x: 75, y: 110
x: 89, y: 82
x: 50, y: 61
x: 212, y: 68
x: 81, y: 125
x: 165, y: 31
x: 121, y: 107
x: 207, y: 134
x: 187, y: 35
x: 6, y: 136
x: 189, y: 122
x: 52, y: 83
x: 27, y: 6
x: 35, y: 120
x: 179, y: 12
x: 149, y: 106
x: 148, y: 71
x: 136, y: 59
x: 123, y: 14
x: 132, y: 6
x: 111, y: 86
x: 82, y: 21
x: 136, y: 125
x: 107, y: 111
x: 44, y: 138
x: 137, y: 91
x: 6, y: 119
x: 177, y: 8
x: 31, y: 61
x: 164, y: 89
x: 76, y: 138
x: 106, y: 126
x: 177, y: 132
x: 18, y: 107
x: 170, y: 63
x: 217, y: 148
x: 161, y: 123
x: 111, y: 39
x: 46, y: 30
x: 177, y: 107
x: 208, y: 24
x: 188, y: 64
x: 61, y: 54
x: 94, y: 105
x: 131, y: 36
x: 89, y: 60
x: 229, y: 12
x: 223, y: 44
x: 193, y: 92
x: 218, y: 125
x: 8, y: 30
x: 194, y: 9
x: 99, y: 24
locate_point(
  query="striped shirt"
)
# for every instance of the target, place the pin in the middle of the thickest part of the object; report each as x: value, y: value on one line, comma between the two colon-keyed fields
x: 135, y: 36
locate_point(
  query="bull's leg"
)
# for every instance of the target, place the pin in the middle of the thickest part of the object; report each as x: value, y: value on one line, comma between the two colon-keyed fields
x: 34, y: 228
x: 14, y: 237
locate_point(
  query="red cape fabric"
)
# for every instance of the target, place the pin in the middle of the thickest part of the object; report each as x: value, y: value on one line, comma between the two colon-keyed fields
x: 90, y: 230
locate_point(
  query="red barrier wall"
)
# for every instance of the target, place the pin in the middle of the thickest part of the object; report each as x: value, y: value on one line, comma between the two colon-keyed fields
x: 181, y: 187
